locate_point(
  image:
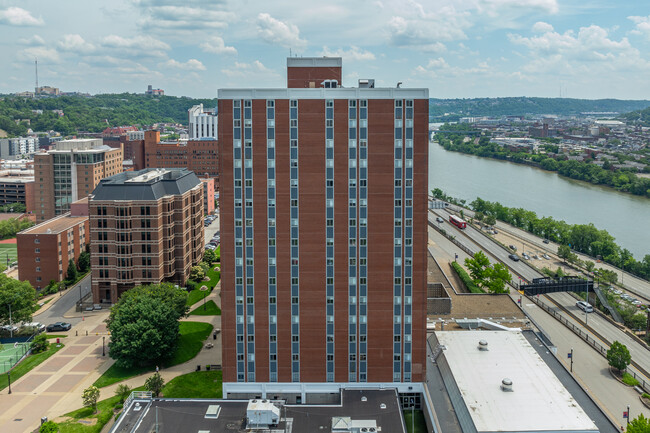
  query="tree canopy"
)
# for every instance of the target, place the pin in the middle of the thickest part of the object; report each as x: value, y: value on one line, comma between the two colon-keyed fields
x: 144, y: 324
x: 618, y: 356
x: 491, y: 278
x: 639, y: 424
x: 19, y: 296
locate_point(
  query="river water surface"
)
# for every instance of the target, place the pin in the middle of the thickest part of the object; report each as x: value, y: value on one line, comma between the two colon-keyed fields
x: 624, y: 216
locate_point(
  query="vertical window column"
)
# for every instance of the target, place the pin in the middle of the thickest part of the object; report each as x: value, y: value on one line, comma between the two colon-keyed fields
x: 239, y: 241
x: 293, y: 206
x: 363, y: 239
x: 352, y: 239
x: 398, y: 244
x: 408, y: 237
x: 273, y: 288
x: 248, y: 231
x: 329, y: 234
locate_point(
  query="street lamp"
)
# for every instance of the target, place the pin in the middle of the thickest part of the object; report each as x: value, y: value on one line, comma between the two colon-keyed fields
x: 9, y: 379
x: 103, y: 350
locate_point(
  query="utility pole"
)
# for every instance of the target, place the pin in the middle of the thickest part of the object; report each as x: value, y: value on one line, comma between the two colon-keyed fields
x: 571, y: 356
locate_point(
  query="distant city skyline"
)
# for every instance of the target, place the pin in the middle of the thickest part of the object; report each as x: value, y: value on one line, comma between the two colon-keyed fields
x: 456, y: 48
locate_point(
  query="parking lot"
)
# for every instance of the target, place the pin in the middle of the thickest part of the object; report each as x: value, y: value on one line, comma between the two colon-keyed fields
x: 211, y: 229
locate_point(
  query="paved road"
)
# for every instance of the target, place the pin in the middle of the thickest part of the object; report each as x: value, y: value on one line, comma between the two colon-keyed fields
x: 212, y: 229
x: 590, y: 368
x: 61, y: 306
x: 611, y: 333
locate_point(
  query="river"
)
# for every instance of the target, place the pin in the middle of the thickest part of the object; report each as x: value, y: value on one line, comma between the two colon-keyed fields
x: 624, y: 216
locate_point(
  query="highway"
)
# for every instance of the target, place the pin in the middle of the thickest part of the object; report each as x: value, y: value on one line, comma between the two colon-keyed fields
x: 471, y: 237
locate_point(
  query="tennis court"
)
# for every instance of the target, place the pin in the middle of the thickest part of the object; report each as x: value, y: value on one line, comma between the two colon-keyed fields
x: 11, y: 354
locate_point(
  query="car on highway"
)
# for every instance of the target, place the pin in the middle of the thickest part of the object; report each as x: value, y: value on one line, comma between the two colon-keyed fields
x: 514, y: 257
x: 546, y: 241
x: 440, y: 220
x: 585, y: 306
x: 58, y: 326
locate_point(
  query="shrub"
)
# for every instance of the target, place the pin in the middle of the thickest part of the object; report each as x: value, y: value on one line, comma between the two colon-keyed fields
x: 618, y: 356
x: 154, y: 384
x: 40, y: 343
x: 467, y: 280
x: 90, y: 396
x: 123, y: 391
x: 48, y: 427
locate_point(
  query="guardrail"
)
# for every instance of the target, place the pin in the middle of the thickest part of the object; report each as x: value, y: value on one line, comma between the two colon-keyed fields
x: 645, y: 384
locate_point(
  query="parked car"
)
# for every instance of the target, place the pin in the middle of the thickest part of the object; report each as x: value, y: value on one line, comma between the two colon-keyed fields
x: 211, y: 247
x: 37, y: 326
x: 58, y: 326
x: 546, y: 241
x: 514, y: 257
x: 9, y: 328
x: 585, y: 306
x: 513, y: 248
x: 525, y: 256
x: 546, y: 256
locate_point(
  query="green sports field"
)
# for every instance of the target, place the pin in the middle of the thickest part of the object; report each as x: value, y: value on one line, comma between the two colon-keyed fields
x: 11, y: 354
x: 8, y: 251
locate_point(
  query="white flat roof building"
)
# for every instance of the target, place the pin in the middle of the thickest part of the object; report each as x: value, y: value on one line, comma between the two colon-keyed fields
x: 538, y: 401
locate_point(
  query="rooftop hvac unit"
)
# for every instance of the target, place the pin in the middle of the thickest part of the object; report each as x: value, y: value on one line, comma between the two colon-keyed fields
x: 262, y: 414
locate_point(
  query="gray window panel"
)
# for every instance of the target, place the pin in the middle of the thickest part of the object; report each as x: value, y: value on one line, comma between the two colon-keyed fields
x: 239, y: 310
x: 330, y: 329
x: 248, y: 153
x: 352, y: 174
x: 409, y: 212
x: 250, y: 310
x: 407, y: 328
x: 251, y: 347
x: 398, y: 173
x: 294, y: 290
x: 363, y: 331
x: 398, y: 153
x: 240, y: 328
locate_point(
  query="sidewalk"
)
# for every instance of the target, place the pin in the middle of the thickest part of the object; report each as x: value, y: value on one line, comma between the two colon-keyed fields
x: 54, y: 388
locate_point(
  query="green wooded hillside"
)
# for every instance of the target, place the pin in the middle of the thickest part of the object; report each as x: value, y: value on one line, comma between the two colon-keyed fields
x: 94, y: 113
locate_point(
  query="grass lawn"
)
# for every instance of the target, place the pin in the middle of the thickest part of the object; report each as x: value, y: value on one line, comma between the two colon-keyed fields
x: 210, y: 309
x: 8, y: 250
x: 196, y: 295
x: 193, y: 334
x: 629, y: 380
x: 214, y: 277
x: 103, y: 415
x: 200, y: 384
x: 51, y: 336
x: 420, y: 423
x: 27, y: 364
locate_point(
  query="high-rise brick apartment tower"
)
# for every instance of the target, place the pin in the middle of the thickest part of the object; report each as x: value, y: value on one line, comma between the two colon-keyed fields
x: 323, y: 231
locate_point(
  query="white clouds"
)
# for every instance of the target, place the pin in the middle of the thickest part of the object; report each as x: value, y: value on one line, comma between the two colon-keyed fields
x: 216, y: 45
x: 439, y: 68
x: 353, y: 54
x: 642, y: 25
x: 41, y: 53
x: 190, y: 65
x: 138, y: 46
x: 247, y: 69
x: 15, y: 16
x: 77, y: 44
x: 163, y: 18
x: 33, y: 41
x: 277, y: 32
x: 542, y: 27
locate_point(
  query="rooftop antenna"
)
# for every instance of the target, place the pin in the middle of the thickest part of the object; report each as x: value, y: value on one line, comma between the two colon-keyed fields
x: 36, y: 70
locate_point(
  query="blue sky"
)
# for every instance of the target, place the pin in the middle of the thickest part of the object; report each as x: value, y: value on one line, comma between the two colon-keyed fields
x: 456, y: 48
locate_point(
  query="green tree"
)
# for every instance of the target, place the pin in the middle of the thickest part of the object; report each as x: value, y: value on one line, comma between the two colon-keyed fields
x: 638, y: 322
x: 17, y: 297
x: 589, y: 265
x: 639, y: 424
x: 197, y: 274
x: 123, y: 391
x: 564, y: 252
x: 478, y: 265
x: 90, y: 396
x: 490, y: 220
x: 498, y: 277
x: 618, y: 356
x: 155, y: 384
x: 84, y: 261
x: 144, y: 331
x: 48, y: 427
x: 209, y: 256
x: 72, y: 274
x: 40, y: 343
x: 164, y: 292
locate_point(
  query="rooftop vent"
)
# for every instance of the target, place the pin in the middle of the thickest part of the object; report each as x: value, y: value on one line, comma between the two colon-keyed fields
x: 382, y: 406
x: 506, y: 385
x: 483, y: 345
x: 364, y: 398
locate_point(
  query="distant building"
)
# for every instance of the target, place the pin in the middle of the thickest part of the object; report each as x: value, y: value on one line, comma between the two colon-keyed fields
x: 17, y: 186
x: 47, y: 90
x: 12, y: 148
x: 117, y: 131
x: 199, y: 156
x: 203, y: 123
x: 69, y: 172
x: 154, y: 92
x: 45, y: 250
x: 208, y: 195
x: 146, y: 227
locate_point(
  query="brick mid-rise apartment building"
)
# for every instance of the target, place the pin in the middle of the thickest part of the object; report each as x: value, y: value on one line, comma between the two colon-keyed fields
x: 324, y: 232
x: 45, y: 250
x: 70, y: 172
x: 146, y: 227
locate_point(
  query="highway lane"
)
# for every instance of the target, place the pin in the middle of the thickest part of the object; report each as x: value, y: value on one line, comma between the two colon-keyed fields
x: 610, y: 332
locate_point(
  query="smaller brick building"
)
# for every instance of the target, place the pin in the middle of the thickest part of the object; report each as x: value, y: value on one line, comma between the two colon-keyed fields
x: 208, y: 195
x: 146, y: 227
x: 45, y: 250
